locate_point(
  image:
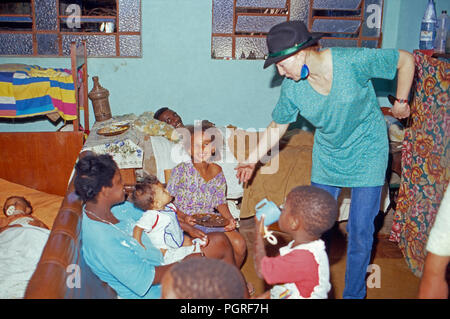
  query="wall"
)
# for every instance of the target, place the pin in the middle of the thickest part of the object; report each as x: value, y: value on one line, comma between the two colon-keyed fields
x: 401, y: 29
x: 176, y: 69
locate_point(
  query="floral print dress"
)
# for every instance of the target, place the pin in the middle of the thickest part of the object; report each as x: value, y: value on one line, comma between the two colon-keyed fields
x: 425, y: 161
x: 193, y: 195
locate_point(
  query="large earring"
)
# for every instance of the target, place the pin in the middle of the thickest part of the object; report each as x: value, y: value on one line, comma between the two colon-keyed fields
x: 304, y: 73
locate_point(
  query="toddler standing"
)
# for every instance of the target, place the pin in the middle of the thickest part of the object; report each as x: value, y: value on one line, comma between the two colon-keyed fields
x: 302, y: 269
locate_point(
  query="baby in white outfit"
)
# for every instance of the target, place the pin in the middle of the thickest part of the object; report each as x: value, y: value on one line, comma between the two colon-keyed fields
x: 160, y: 223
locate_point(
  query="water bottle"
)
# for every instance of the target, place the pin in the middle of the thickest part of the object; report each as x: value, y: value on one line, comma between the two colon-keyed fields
x: 443, y: 22
x: 441, y: 32
x: 428, y: 27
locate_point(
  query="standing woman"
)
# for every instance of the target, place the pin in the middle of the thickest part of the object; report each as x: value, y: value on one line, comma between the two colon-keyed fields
x: 332, y: 89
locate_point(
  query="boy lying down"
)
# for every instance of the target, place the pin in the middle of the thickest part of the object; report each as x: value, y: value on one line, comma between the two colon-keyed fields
x: 22, y: 240
x: 18, y: 212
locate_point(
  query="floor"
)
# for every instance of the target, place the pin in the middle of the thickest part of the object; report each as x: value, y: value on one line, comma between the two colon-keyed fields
x: 390, y: 277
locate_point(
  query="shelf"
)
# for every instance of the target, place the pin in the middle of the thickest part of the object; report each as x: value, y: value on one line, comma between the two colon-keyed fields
x: 94, y: 19
x: 15, y: 18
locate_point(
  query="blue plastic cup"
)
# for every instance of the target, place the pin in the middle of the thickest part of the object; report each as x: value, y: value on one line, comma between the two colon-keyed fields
x: 270, y: 211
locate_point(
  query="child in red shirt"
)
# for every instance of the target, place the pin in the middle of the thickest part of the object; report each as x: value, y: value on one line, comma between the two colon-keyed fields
x: 302, y: 269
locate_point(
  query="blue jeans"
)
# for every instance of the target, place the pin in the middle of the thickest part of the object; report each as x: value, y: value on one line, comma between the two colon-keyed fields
x: 364, y: 207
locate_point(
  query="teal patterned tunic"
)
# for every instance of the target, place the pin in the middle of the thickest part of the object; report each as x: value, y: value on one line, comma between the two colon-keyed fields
x: 351, y: 146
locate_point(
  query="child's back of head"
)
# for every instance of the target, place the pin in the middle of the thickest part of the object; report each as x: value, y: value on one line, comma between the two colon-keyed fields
x: 316, y: 207
x: 204, y: 278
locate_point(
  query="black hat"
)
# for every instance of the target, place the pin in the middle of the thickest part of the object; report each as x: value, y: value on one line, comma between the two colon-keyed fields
x: 287, y: 38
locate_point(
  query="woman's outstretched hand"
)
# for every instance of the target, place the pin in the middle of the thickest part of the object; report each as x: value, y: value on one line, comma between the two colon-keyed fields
x: 245, y: 171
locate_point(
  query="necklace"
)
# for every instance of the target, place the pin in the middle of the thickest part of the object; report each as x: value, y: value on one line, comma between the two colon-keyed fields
x: 92, y: 213
x: 105, y: 221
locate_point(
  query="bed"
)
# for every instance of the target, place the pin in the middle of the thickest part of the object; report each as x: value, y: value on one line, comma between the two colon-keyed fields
x: 56, y: 151
x: 39, y: 166
x: 47, y: 264
x: 22, y: 246
x: 28, y: 90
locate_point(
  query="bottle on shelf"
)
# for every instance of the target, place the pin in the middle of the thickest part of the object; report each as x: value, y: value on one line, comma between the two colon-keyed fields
x: 428, y: 27
x: 441, y: 32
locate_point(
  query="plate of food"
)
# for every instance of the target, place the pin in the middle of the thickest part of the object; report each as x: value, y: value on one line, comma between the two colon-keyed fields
x: 114, y: 129
x: 210, y: 220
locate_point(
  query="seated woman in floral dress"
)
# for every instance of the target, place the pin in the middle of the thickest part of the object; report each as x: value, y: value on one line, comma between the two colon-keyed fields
x: 199, y: 186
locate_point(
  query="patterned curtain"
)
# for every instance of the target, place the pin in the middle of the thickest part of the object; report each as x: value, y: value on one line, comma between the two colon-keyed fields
x: 425, y: 160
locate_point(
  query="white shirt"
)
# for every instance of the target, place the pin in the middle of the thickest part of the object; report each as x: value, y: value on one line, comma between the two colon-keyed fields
x: 158, y: 224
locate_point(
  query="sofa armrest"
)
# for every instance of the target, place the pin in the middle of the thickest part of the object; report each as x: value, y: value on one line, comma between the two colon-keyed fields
x: 61, y: 271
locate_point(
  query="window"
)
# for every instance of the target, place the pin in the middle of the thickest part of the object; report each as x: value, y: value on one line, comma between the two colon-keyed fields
x: 347, y: 23
x: 47, y: 27
x: 239, y: 27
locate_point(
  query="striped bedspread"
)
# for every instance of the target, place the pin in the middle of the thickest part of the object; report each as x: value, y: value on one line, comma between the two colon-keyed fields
x: 28, y: 90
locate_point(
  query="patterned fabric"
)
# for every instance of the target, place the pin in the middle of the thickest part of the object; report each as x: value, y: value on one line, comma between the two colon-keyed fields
x: 124, y: 152
x: 425, y: 160
x: 192, y: 194
x: 29, y: 90
x: 148, y: 125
